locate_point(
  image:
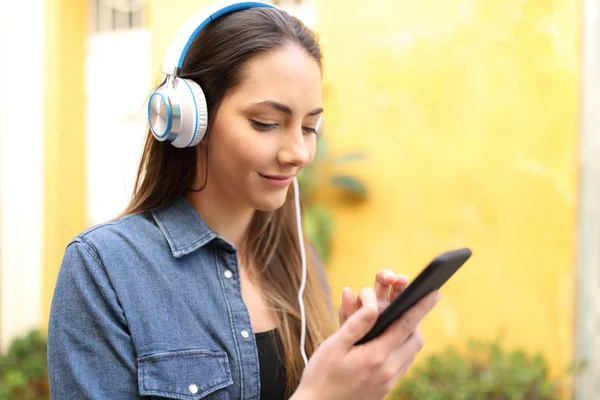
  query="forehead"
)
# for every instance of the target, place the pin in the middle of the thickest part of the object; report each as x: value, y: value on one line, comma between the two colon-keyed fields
x: 289, y: 75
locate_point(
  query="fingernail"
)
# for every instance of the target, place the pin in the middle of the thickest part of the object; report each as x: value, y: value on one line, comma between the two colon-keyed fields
x: 437, y: 297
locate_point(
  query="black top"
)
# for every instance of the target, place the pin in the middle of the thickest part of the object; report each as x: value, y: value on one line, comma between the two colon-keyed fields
x: 272, y: 369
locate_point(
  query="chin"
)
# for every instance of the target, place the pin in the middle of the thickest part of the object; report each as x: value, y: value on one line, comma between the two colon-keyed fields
x: 270, y: 203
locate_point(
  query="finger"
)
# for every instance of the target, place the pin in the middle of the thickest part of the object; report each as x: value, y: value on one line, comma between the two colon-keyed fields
x: 366, y: 296
x: 402, y: 358
x: 383, y: 280
x: 403, y: 368
x: 409, y: 350
x: 400, y: 371
x: 405, y: 356
x: 399, y: 286
x: 348, y: 305
x: 357, y: 326
x: 397, y: 333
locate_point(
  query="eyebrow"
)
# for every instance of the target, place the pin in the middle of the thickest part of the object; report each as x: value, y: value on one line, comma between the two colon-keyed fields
x: 286, y: 109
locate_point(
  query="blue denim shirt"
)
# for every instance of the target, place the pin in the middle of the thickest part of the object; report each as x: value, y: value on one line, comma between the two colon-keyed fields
x: 150, y: 305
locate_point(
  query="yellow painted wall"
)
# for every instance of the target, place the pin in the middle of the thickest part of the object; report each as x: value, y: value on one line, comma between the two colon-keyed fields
x: 469, y: 113
x: 64, y: 147
x: 163, y: 21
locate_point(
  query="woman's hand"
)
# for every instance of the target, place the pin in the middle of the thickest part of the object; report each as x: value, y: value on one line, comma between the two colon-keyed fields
x: 388, y: 285
x: 341, y: 370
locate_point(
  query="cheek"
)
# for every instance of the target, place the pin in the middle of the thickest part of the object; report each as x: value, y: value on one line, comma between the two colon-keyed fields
x: 249, y: 155
x: 240, y: 151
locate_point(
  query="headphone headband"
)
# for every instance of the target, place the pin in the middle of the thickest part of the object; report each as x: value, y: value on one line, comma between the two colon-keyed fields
x: 187, y: 33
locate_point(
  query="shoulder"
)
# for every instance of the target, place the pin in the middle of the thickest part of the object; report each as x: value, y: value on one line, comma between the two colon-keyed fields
x: 112, y: 236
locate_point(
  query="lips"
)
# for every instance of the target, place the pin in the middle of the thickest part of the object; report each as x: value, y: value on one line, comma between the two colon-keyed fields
x: 279, y: 177
x: 279, y: 181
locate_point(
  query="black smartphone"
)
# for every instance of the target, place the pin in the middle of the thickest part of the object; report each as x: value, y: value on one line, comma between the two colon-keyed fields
x: 431, y: 278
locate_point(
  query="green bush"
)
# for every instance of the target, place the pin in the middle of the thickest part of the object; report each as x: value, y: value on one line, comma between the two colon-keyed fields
x: 23, y: 369
x: 484, y: 371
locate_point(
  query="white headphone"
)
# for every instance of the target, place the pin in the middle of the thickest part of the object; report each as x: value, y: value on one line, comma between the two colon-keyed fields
x: 177, y: 111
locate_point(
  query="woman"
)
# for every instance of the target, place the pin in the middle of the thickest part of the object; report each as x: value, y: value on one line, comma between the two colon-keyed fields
x: 192, y: 293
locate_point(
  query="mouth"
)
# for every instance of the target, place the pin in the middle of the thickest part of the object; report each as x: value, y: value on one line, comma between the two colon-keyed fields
x: 279, y: 181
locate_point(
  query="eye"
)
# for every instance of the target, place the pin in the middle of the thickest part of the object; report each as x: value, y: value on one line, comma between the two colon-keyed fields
x: 309, y: 130
x: 259, y: 126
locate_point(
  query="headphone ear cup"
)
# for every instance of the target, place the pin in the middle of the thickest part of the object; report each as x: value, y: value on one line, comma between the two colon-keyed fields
x: 160, y: 118
x: 194, y: 113
x: 178, y: 113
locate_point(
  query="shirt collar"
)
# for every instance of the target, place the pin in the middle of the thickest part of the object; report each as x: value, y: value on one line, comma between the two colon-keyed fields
x: 183, y: 227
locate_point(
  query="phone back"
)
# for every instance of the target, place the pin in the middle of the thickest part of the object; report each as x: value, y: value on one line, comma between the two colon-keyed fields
x: 431, y: 278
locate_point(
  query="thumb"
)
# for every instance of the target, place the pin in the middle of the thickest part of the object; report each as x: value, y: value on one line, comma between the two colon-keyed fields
x: 357, y: 326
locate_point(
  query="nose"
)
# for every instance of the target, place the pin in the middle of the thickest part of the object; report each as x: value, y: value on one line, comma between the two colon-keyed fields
x: 294, y: 149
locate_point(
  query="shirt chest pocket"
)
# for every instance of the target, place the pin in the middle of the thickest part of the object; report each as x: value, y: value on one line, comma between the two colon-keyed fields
x: 185, y: 375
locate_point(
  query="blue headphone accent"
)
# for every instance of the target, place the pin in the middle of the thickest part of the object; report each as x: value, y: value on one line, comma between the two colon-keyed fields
x: 168, y: 113
x: 195, y: 108
x: 225, y: 10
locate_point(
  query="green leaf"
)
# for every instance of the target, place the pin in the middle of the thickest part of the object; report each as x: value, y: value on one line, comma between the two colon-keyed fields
x: 350, y: 157
x: 319, y: 228
x: 307, y: 179
x: 23, y: 369
x: 322, y: 149
x: 484, y: 371
x: 351, y: 185
x: 577, y: 368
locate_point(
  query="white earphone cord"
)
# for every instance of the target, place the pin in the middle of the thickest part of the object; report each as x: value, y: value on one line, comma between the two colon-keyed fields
x: 303, y: 283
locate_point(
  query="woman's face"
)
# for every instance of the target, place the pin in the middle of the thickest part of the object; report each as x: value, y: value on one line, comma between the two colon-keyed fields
x: 264, y: 131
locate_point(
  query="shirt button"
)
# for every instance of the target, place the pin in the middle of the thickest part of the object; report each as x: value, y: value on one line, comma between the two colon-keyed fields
x: 193, y: 389
x: 228, y: 274
x: 245, y: 334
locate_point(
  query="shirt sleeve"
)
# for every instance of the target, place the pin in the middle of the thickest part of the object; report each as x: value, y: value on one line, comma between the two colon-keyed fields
x: 90, y: 352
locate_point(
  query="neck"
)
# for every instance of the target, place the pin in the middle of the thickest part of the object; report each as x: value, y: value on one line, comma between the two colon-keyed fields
x: 230, y: 221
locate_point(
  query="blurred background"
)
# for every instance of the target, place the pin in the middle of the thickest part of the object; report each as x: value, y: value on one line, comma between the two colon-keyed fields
x: 448, y: 123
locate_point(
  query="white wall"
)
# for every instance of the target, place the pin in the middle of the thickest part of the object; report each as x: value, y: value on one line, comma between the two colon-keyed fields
x: 117, y: 83
x: 588, y: 283
x: 304, y: 10
x: 21, y: 161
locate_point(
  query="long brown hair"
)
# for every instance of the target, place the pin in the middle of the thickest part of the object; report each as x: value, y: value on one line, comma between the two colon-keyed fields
x: 215, y: 61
